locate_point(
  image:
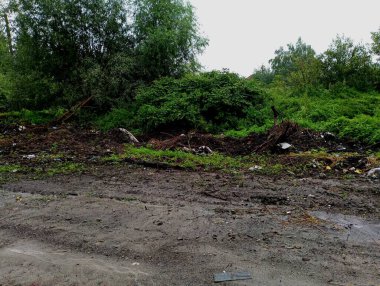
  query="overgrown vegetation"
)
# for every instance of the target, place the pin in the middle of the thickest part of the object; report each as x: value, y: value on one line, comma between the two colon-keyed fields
x: 137, y: 61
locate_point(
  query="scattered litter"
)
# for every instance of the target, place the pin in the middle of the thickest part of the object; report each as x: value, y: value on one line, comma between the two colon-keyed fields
x: 374, y: 173
x: 203, y: 150
x: 135, y: 264
x: 31, y: 156
x: 328, y: 136
x: 341, y: 148
x: 224, y: 277
x: 122, y: 135
x: 255, y: 168
x: 284, y: 145
x: 21, y: 128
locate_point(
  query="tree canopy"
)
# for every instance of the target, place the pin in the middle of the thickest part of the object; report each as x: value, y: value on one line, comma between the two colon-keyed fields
x: 69, y: 49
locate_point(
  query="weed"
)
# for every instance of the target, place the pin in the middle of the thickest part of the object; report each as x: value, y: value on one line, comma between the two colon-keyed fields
x: 183, y: 159
x: 10, y: 168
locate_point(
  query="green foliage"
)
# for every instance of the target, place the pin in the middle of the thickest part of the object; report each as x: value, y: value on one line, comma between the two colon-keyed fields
x: 263, y: 74
x: 30, y: 117
x: 376, y: 43
x: 297, y: 65
x: 117, y: 118
x: 212, y: 101
x: 344, y: 111
x: 363, y: 128
x: 348, y: 63
x: 183, y: 159
x: 167, y: 38
x: 68, y: 50
x: 10, y: 168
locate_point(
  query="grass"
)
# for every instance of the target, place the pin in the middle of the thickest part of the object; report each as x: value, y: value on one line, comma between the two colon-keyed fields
x: 30, y: 117
x: 291, y: 164
x: 63, y: 168
x: 10, y: 168
x: 346, y: 112
x: 40, y: 171
x: 183, y: 159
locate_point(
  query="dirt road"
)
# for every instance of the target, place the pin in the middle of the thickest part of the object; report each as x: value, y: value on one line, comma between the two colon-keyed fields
x: 133, y: 226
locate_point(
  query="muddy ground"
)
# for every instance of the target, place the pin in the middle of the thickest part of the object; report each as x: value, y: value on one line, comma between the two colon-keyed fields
x: 127, y: 225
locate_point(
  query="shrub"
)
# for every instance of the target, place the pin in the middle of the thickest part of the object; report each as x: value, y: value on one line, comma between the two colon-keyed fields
x: 212, y: 101
x: 362, y: 127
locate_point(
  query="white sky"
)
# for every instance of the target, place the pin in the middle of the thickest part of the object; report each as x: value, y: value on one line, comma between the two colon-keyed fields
x: 244, y: 34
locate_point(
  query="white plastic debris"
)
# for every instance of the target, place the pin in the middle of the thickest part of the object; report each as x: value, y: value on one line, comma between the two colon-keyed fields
x: 31, y: 156
x: 374, y: 173
x: 21, y: 128
x: 255, y: 168
x: 129, y: 135
x: 284, y: 145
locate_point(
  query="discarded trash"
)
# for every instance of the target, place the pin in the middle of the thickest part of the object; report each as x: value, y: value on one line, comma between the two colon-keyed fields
x: 255, y: 168
x: 203, y: 150
x: 328, y: 136
x: 130, y: 136
x: 223, y: 277
x: 284, y: 145
x: 21, y: 128
x: 135, y: 264
x: 341, y: 148
x: 374, y: 173
x: 122, y: 135
x: 32, y: 156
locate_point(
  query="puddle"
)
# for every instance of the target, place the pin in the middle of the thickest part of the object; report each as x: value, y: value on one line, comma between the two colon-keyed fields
x: 352, y: 228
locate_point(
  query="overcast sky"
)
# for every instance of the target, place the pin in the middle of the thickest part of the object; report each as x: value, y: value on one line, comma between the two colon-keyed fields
x: 244, y: 34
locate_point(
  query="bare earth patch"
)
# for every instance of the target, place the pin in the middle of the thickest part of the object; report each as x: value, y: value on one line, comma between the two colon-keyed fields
x: 122, y: 225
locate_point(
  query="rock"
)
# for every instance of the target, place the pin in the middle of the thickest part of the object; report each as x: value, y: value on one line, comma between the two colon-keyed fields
x: 374, y: 173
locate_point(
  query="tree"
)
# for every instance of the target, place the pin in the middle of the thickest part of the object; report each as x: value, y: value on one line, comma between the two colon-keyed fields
x: 376, y: 43
x: 167, y: 38
x: 297, y: 65
x: 348, y: 63
x: 64, y: 34
x: 5, y: 70
x: 263, y: 74
x: 66, y: 50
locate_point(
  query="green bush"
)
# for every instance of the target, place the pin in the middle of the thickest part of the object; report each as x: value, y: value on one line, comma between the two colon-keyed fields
x: 363, y: 128
x: 212, y: 101
x: 117, y: 118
